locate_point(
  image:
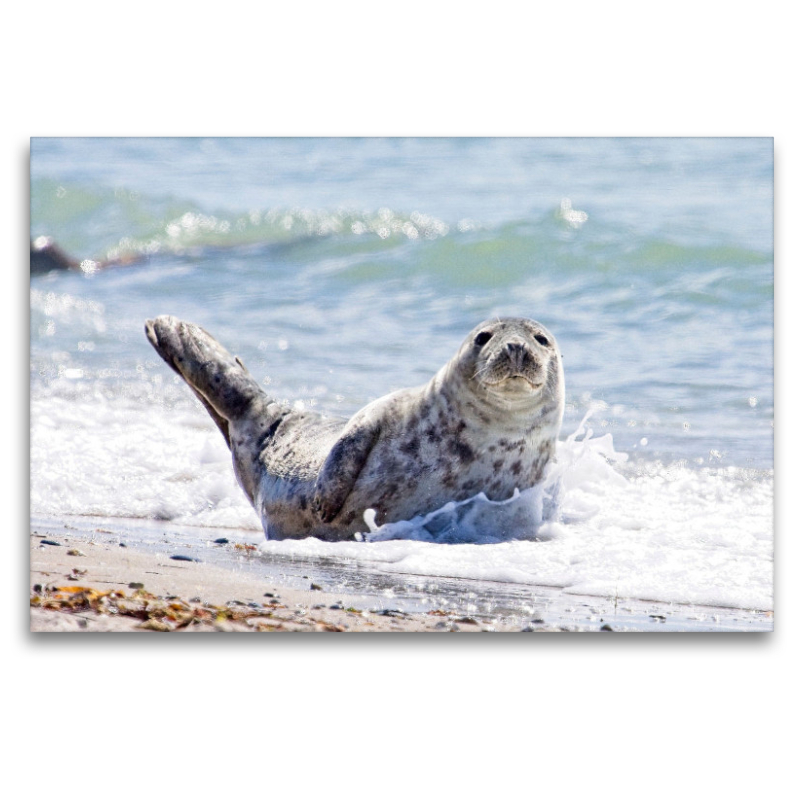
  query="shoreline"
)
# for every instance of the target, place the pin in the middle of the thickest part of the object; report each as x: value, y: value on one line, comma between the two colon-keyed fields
x: 103, y: 575
x: 85, y: 586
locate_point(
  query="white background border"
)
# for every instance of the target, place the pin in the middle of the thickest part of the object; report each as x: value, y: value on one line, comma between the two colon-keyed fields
x: 640, y: 716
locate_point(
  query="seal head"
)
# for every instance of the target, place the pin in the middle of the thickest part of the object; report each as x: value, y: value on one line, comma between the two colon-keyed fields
x: 513, y: 364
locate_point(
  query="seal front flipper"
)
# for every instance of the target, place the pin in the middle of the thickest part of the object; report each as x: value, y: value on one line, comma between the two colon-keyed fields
x: 343, y: 466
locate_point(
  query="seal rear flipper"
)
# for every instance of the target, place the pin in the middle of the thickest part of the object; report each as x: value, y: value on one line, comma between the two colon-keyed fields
x: 217, y: 378
x: 342, y: 468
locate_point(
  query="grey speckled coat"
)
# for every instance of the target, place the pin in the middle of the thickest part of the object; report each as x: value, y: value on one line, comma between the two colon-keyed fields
x: 487, y: 421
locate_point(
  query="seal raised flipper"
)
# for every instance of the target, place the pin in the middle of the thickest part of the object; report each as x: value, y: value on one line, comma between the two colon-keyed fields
x: 218, y: 379
x: 223, y: 385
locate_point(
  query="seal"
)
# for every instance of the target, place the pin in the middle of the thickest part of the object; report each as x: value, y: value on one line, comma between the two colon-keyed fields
x: 47, y: 256
x: 487, y: 422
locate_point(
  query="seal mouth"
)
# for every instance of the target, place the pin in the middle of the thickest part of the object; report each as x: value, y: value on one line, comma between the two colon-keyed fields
x: 518, y: 379
x: 517, y: 382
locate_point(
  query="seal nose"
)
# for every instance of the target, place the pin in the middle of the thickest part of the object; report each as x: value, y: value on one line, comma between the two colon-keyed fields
x: 517, y: 353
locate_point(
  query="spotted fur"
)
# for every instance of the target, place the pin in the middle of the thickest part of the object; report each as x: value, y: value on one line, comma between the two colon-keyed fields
x: 487, y: 421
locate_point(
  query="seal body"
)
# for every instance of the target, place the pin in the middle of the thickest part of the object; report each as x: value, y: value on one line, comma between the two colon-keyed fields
x: 487, y: 422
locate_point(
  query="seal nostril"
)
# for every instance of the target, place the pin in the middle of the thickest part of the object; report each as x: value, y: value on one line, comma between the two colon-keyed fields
x: 515, y: 347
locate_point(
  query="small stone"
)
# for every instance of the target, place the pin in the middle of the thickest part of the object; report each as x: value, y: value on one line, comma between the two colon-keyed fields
x: 183, y: 558
x: 315, y: 587
x: 154, y: 625
x: 221, y: 540
x: 607, y: 627
x: 75, y: 552
x: 135, y: 585
x: 50, y: 542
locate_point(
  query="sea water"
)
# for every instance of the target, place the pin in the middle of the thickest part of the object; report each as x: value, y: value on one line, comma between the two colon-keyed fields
x: 342, y: 269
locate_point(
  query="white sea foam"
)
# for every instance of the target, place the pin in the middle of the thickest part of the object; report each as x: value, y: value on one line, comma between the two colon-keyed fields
x: 662, y: 533
x: 117, y: 458
x: 596, y: 526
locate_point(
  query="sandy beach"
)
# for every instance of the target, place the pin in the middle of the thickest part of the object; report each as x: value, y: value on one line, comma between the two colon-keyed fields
x: 89, y: 586
x: 102, y: 578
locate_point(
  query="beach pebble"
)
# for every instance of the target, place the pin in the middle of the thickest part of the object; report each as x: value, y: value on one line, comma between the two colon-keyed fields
x: 154, y: 625
x: 75, y: 552
x: 221, y: 540
x: 50, y: 542
x: 183, y: 558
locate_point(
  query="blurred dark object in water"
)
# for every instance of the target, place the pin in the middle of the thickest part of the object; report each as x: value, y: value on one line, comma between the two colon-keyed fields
x: 46, y: 255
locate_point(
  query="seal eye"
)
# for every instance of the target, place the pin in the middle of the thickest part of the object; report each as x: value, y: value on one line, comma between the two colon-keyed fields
x: 482, y: 338
x: 541, y: 339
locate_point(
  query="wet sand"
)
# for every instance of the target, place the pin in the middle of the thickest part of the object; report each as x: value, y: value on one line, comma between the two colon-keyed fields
x: 115, y: 575
x: 102, y: 587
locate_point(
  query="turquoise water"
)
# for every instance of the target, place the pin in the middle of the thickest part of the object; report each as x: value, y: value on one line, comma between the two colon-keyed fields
x: 340, y: 269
